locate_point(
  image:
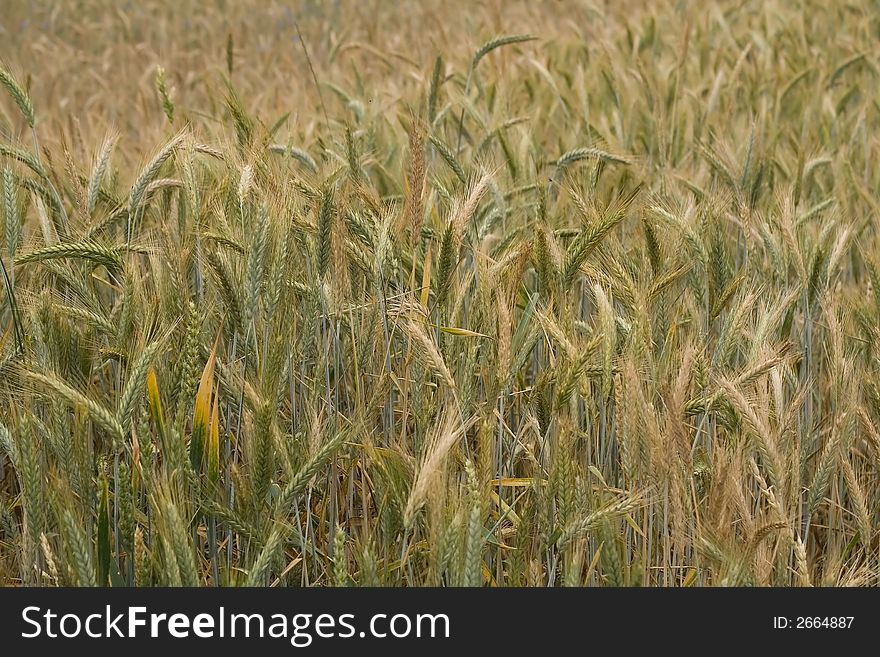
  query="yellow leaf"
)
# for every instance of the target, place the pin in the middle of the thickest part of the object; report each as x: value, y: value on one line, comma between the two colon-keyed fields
x: 214, y: 442
x: 203, y: 395
x: 202, y: 411
x: 506, y: 509
x: 513, y: 482
x: 453, y: 330
x: 595, y: 562
x: 487, y: 576
x: 155, y: 400
x: 632, y: 523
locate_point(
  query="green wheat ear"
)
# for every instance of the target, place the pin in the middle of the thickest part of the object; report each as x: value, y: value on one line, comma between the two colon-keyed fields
x: 19, y: 95
x: 162, y: 88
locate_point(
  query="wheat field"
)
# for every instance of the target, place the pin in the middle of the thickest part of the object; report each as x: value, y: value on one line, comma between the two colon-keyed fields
x: 439, y: 293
